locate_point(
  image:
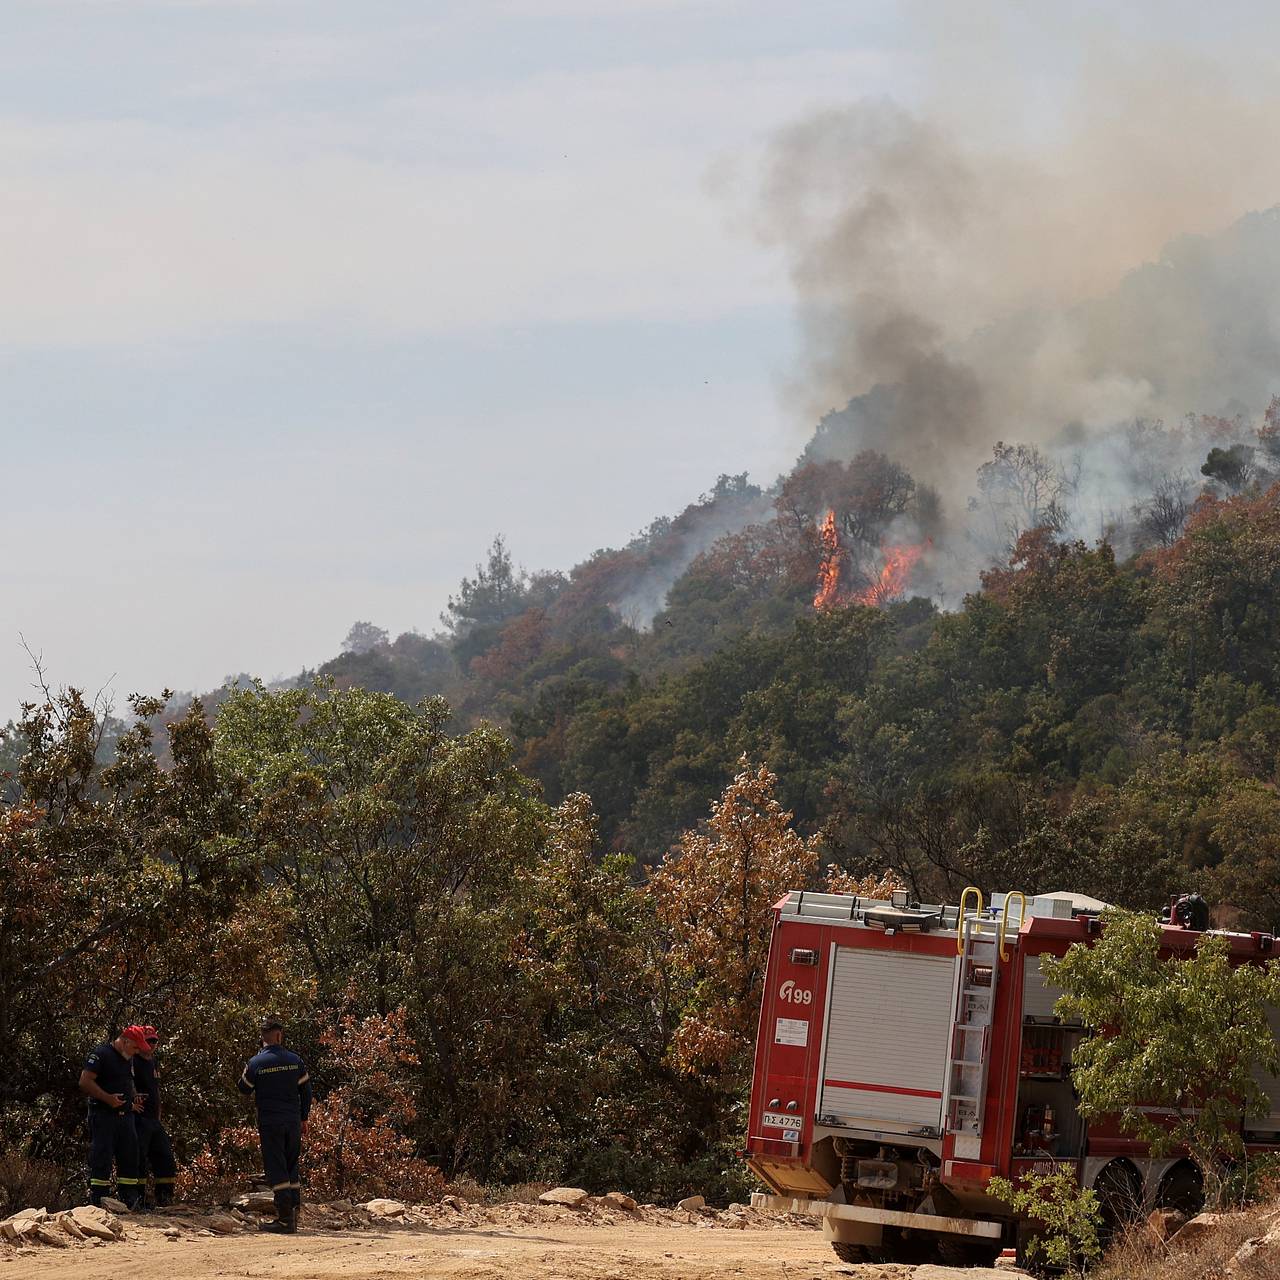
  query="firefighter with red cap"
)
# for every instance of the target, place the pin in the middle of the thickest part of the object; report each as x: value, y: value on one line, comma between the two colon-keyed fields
x: 155, y: 1151
x: 107, y: 1080
x: 277, y: 1080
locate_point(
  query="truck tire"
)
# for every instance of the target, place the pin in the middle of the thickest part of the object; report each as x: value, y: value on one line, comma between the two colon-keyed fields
x: 958, y: 1251
x: 848, y: 1252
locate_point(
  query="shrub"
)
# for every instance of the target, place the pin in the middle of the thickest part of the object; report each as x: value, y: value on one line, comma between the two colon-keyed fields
x: 1068, y: 1216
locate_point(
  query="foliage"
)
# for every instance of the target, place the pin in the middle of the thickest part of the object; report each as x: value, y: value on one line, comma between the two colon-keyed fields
x: 1175, y: 1043
x: 713, y: 896
x: 1067, y: 1216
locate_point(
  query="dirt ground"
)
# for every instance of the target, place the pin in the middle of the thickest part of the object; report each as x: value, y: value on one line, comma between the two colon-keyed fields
x: 542, y: 1251
x: 453, y: 1240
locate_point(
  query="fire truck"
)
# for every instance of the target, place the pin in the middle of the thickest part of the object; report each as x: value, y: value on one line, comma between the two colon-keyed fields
x: 908, y: 1053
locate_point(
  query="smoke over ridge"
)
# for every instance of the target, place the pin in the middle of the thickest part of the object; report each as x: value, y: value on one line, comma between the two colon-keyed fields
x: 962, y: 291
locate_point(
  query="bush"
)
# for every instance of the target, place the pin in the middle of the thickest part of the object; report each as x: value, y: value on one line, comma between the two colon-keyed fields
x: 1068, y: 1216
x: 28, y: 1183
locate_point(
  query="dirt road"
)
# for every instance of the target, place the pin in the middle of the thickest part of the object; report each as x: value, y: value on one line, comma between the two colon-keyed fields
x: 457, y: 1240
x: 550, y: 1251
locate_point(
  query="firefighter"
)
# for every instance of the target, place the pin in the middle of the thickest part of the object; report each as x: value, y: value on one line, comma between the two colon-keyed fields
x: 155, y: 1151
x: 107, y: 1080
x: 277, y: 1080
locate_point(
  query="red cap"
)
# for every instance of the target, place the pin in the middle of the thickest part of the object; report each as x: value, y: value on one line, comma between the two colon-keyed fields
x: 138, y: 1035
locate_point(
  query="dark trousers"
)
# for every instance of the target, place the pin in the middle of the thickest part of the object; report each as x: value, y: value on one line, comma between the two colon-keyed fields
x: 113, y: 1141
x: 155, y: 1156
x: 281, y: 1151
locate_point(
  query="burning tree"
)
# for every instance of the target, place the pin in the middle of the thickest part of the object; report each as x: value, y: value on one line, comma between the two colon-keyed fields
x: 828, y: 593
x: 888, y: 585
x: 894, y: 576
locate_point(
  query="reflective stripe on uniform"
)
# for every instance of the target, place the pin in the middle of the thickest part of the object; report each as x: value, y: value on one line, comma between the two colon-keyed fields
x: 281, y: 1186
x: 99, y: 1182
x: 129, y: 1182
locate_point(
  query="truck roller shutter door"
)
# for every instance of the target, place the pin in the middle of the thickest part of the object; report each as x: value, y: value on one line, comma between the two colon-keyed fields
x: 1038, y: 997
x: 888, y: 1035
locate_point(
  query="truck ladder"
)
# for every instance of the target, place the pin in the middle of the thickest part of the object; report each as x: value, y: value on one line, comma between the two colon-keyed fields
x: 980, y: 956
x: 971, y: 1028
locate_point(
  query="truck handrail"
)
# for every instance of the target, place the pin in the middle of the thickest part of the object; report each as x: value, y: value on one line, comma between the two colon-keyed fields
x: 1004, y: 918
x: 964, y: 897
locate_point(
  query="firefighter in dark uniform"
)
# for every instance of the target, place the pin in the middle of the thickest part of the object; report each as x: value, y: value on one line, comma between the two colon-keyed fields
x: 155, y: 1151
x: 107, y: 1079
x: 277, y: 1080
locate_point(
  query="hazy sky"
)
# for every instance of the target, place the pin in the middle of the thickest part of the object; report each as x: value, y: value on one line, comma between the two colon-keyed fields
x: 304, y: 300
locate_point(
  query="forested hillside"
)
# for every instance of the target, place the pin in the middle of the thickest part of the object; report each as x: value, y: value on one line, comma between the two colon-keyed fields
x: 1097, y: 713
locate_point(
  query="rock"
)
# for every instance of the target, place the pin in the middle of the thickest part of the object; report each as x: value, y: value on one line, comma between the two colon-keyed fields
x: 1257, y: 1259
x: 572, y: 1196
x: 172, y: 1233
x: 223, y: 1224
x: 113, y: 1205
x: 22, y: 1224
x: 68, y: 1224
x: 96, y: 1223
x: 1164, y: 1224
x: 256, y: 1202
x: 619, y: 1200
x: 340, y: 1206
x: 50, y: 1233
x: 386, y: 1208
x: 1203, y: 1224
x: 691, y: 1203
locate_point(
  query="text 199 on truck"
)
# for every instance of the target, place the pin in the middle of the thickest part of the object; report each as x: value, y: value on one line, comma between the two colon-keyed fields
x: 908, y: 1053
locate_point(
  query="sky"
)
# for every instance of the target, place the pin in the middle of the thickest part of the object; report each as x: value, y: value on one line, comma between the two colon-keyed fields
x: 305, y: 300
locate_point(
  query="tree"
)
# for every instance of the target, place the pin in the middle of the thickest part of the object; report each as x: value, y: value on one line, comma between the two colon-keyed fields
x: 363, y: 637
x: 1233, y: 468
x: 1163, y: 515
x: 1023, y: 490
x: 714, y: 895
x: 496, y: 593
x: 1175, y: 1043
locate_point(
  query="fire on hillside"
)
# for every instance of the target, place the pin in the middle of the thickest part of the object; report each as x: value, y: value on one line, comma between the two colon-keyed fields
x: 898, y: 562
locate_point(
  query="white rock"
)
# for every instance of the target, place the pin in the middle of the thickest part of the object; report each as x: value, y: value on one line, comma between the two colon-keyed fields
x: 96, y: 1223
x: 386, y: 1208
x: 571, y: 1196
x: 620, y: 1200
x: 50, y: 1233
x: 224, y: 1224
x: 690, y: 1203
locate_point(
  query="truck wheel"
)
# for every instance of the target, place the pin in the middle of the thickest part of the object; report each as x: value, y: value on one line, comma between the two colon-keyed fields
x: 957, y: 1251
x: 848, y: 1252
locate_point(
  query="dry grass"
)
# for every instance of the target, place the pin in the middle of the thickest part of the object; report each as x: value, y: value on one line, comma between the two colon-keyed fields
x: 467, y: 1188
x: 1136, y: 1257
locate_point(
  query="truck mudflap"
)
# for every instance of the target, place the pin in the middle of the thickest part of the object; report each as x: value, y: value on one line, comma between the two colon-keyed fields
x: 979, y: 1228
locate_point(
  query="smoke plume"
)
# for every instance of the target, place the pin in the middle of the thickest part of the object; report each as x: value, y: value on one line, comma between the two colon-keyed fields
x: 959, y: 285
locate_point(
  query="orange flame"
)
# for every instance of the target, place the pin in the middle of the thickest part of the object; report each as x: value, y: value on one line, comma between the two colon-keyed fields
x: 828, y: 593
x: 893, y: 579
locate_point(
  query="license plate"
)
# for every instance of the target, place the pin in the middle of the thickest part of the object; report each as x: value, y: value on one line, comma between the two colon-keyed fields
x: 780, y: 1121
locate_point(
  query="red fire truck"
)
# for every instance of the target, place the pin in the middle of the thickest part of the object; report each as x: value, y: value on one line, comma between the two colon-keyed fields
x: 908, y: 1053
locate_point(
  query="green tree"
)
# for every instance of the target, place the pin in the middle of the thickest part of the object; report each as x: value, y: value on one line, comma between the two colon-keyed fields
x: 1175, y: 1043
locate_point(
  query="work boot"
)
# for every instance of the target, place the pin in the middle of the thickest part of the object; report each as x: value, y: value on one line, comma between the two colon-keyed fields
x: 283, y: 1224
